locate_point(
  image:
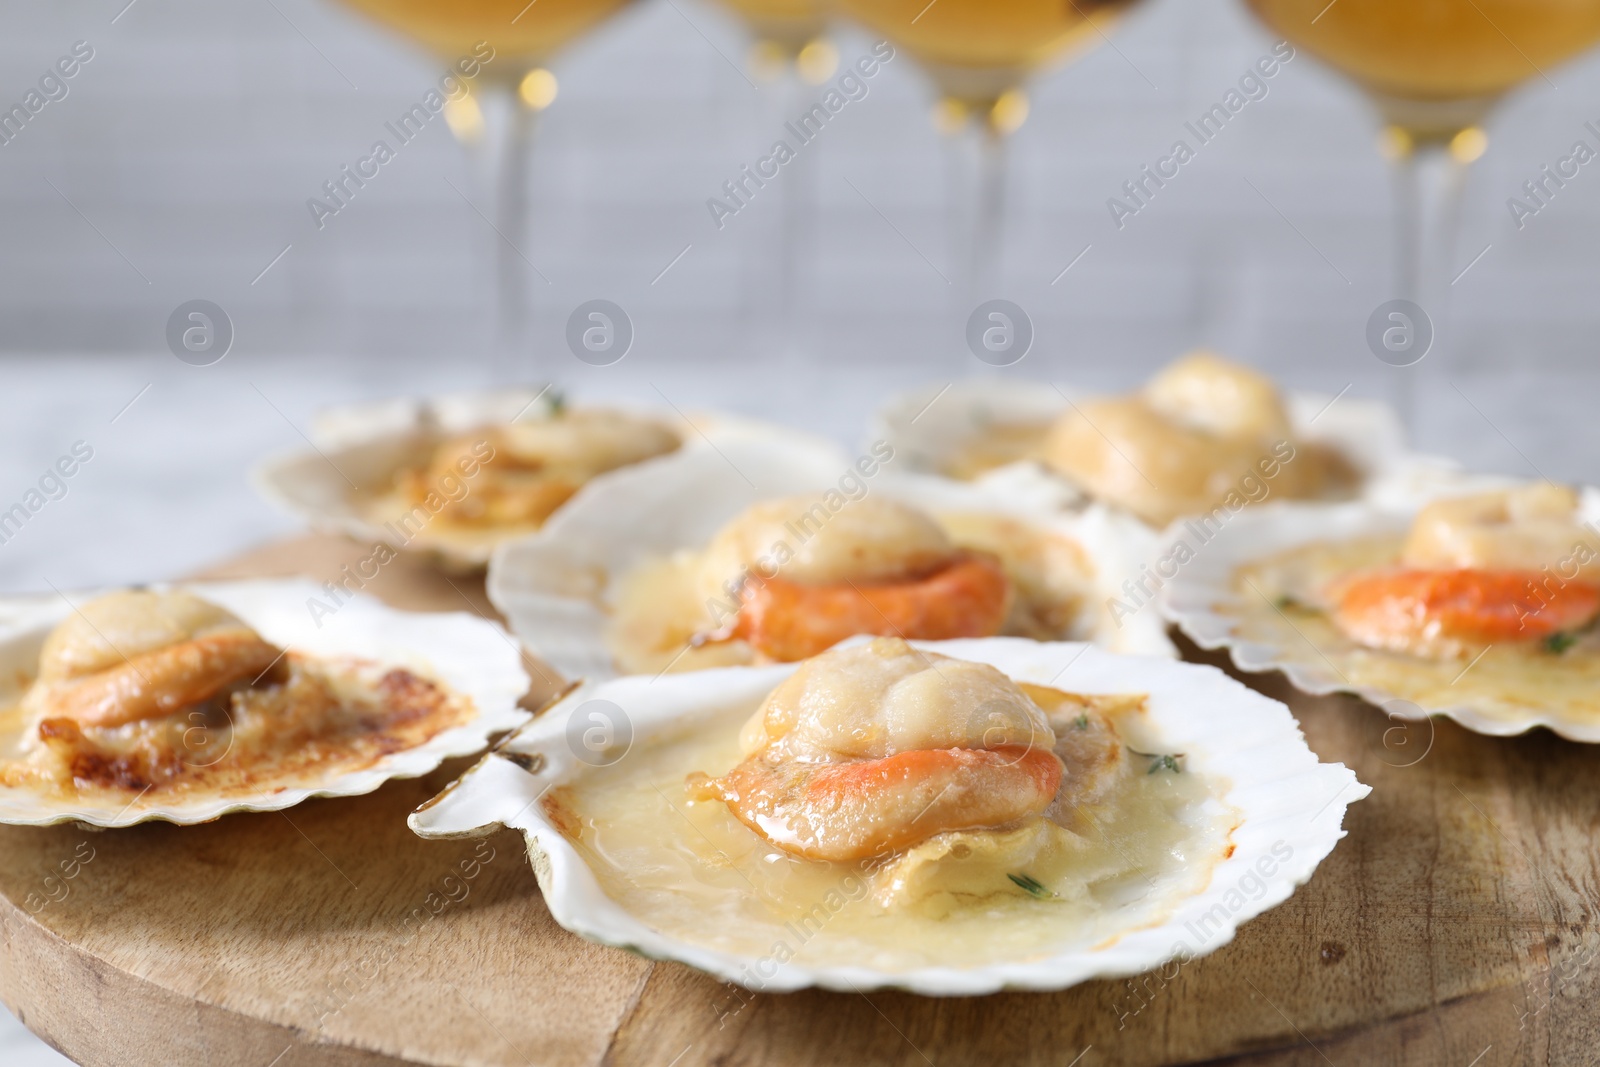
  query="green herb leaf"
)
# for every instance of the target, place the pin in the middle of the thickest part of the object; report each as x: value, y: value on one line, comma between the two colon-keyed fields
x: 1166, y: 762
x: 1161, y: 761
x: 1284, y: 602
x: 1559, y: 642
x: 1032, y: 886
x: 1081, y: 722
x: 557, y: 401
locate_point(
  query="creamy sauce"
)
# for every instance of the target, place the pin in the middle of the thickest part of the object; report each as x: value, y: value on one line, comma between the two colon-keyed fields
x: 1280, y: 602
x: 691, y: 870
x: 657, y: 609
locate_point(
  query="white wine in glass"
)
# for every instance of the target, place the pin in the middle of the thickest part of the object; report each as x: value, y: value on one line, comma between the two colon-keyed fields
x: 980, y: 55
x: 783, y: 32
x: 1433, y: 69
x: 525, y: 37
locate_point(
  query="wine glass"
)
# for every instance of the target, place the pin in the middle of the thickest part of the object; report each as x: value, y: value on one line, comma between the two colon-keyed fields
x: 495, y: 117
x: 980, y: 54
x: 789, y: 51
x: 1433, y: 71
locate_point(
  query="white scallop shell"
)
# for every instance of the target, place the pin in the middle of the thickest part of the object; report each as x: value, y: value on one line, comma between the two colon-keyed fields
x: 470, y: 655
x: 358, y: 448
x: 1283, y: 795
x: 926, y: 426
x: 555, y: 586
x: 1196, y: 598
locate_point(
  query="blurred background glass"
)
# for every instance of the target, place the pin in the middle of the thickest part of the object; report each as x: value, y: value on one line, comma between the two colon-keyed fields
x: 1434, y: 71
x: 980, y: 57
x: 500, y: 49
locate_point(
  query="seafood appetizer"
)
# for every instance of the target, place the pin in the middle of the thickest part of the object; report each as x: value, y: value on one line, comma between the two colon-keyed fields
x: 455, y: 477
x: 169, y: 704
x: 947, y: 817
x: 685, y: 568
x: 1479, y: 606
x: 518, y: 473
x: 1202, y: 434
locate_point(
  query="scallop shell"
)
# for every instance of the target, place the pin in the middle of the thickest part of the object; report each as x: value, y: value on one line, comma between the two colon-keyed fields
x: 554, y: 585
x: 926, y: 425
x: 1195, y: 599
x: 473, y: 657
x: 357, y: 449
x: 1282, y: 795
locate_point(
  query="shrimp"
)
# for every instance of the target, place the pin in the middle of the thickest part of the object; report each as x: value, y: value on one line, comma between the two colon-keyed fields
x: 1445, y: 613
x: 788, y: 621
x: 874, y: 748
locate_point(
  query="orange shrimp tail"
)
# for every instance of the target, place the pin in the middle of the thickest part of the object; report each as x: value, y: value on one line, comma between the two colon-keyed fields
x: 1399, y: 609
x: 786, y: 621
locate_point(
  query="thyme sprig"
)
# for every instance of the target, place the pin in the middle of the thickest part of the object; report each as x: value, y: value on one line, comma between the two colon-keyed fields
x: 1032, y: 886
x: 1161, y: 761
x: 1559, y: 642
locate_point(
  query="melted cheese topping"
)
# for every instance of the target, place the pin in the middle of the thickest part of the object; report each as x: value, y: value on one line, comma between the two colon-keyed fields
x: 325, y: 719
x: 167, y: 695
x: 1118, y: 855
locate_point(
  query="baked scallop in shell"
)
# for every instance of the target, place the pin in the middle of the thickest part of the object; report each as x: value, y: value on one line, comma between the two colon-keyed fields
x: 1478, y: 604
x: 454, y: 476
x: 186, y: 703
x: 690, y: 565
x: 950, y: 818
x: 1203, y: 432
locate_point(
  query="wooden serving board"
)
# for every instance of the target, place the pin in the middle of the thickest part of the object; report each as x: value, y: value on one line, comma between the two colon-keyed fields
x: 1454, y: 926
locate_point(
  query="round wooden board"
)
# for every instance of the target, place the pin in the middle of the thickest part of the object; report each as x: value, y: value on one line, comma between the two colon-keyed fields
x: 1453, y: 927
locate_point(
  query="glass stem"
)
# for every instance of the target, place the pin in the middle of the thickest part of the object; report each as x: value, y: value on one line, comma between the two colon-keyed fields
x: 1428, y: 184
x: 793, y: 225
x: 513, y: 277
x: 988, y: 224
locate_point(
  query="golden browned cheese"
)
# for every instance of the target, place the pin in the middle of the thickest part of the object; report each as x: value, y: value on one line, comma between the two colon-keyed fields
x: 1015, y: 35
x: 516, y: 29
x: 140, y: 691
x: 532, y: 468
x: 1201, y: 430
x: 1437, y: 49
